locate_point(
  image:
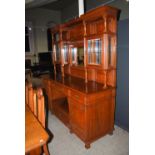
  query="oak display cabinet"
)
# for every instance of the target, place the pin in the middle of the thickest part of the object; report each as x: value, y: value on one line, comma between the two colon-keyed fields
x: 82, y: 91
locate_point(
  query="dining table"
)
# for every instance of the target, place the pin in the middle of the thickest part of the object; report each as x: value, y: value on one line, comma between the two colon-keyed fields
x: 35, y: 135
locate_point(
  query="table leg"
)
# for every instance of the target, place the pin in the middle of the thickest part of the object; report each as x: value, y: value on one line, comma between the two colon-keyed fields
x: 45, y: 148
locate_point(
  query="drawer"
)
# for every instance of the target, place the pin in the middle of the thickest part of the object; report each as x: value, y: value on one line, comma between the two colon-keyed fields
x: 78, y: 97
x: 59, y: 88
x: 57, y: 94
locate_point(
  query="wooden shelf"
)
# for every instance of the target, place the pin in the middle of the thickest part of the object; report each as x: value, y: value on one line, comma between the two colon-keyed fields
x: 61, y: 110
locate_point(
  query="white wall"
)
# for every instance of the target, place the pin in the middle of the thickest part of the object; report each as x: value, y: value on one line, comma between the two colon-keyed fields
x: 40, y: 18
x: 70, y: 12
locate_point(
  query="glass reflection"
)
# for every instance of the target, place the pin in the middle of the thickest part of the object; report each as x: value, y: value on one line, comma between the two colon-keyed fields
x: 77, y: 55
x: 94, y: 51
x: 65, y: 51
x: 56, y: 37
x: 74, y: 53
x: 89, y: 51
x: 80, y: 56
x: 98, y: 50
x: 109, y: 50
x: 57, y: 50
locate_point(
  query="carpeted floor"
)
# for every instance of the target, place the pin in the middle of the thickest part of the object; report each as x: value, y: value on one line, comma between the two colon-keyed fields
x: 64, y: 143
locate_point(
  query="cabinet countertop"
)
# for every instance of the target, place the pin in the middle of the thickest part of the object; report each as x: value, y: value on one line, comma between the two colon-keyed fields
x: 78, y: 83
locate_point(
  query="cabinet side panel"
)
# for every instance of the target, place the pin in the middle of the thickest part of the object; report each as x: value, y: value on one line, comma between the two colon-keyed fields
x: 99, y: 119
x: 111, y: 78
x: 100, y: 115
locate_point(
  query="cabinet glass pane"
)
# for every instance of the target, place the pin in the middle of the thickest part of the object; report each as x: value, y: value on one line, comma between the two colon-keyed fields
x: 57, y: 49
x: 80, y: 56
x: 65, y: 51
x: 89, y: 51
x: 97, y: 47
x: 74, y: 53
x: 56, y: 37
x: 94, y: 51
x: 109, y: 50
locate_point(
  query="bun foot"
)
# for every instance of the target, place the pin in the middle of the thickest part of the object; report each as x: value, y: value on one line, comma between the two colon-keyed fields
x: 71, y: 131
x: 87, y: 145
x: 111, y: 133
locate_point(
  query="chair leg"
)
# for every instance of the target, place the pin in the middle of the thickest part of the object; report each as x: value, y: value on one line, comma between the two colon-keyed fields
x: 36, y: 151
x: 45, y: 148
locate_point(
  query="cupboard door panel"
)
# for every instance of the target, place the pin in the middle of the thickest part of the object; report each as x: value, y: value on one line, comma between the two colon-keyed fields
x: 77, y: 116
x: 99, y: 118
x: 111, y: 22
x: 77, y: 32
x: 95, y: 27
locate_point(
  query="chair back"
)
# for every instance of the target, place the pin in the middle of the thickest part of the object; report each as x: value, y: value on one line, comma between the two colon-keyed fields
x: 35, y: 106
x: 31, y: 97
x: 41, y: 106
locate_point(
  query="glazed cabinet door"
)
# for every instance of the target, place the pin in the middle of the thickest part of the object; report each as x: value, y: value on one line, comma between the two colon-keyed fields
x: 94, y: 51
x: 109, y: 51
x: 65, y: 52
x: 57, y: 52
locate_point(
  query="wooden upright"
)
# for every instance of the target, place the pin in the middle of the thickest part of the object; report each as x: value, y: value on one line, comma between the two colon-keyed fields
x: 83, y: 88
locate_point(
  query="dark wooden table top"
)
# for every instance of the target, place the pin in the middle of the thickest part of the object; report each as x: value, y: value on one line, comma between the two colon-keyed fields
x: 35, y: 134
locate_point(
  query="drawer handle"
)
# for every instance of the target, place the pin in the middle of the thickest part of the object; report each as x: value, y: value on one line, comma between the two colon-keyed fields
x: 76, y: 96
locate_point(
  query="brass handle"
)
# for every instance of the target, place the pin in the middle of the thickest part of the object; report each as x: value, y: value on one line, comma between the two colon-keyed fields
x: 76, y: 96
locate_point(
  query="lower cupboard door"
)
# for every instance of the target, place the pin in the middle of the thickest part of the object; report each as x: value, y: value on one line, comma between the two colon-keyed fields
x: 77, y: 119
